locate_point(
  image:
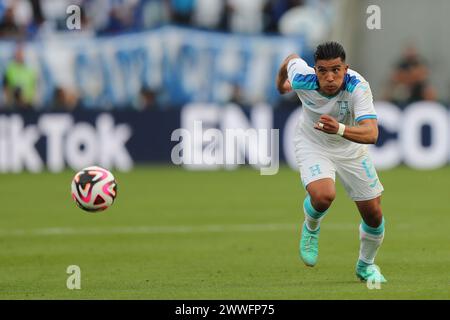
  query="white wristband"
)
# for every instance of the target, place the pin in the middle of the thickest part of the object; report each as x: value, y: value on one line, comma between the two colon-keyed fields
x: 341, y: 129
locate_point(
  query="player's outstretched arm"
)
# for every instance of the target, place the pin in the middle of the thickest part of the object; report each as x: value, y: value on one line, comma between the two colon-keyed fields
x: 366, y: 132
x: 282, y: 81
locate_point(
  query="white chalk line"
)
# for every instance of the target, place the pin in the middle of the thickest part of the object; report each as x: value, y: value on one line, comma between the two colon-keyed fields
x: 220, y: 228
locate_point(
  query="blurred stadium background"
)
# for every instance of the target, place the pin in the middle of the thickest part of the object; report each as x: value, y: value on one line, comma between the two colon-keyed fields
x: 112, y: 92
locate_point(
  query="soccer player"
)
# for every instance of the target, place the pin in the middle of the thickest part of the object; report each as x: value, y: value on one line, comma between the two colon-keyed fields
x: 337, y: 122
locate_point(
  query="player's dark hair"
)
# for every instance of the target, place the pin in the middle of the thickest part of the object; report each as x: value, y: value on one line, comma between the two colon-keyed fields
x: 329, y: 50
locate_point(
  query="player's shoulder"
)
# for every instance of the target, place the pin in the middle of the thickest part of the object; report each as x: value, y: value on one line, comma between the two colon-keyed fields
x: 301, y: 76
x: 298, y: 65
x: 355, y: 83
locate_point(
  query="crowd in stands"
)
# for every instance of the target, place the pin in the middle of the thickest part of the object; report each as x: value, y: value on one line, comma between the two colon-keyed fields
x: 409, y: 81
x: 25, y: 19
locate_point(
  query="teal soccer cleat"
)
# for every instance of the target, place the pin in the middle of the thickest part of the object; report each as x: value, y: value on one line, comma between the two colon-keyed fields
x: 369, y: 272
x: 309, y: 246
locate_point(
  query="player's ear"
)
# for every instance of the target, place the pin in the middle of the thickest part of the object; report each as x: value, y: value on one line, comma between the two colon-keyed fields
x: 346, y: 68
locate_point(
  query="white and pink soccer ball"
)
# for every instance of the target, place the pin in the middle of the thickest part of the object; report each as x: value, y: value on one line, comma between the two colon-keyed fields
x: 94, y: 189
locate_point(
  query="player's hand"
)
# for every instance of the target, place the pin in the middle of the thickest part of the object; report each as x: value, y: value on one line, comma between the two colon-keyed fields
x: 327, y: 124
x: 286, y: 87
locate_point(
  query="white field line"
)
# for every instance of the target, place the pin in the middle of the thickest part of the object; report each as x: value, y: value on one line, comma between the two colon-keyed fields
x: 267, y: 227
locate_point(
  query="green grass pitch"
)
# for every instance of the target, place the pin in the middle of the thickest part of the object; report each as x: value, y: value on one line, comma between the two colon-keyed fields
x: 175, y: 234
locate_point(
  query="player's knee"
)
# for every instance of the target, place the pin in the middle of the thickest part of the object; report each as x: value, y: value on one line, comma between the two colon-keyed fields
x: 375, y: 218
x: 378, y: 218
x: 322, y: 200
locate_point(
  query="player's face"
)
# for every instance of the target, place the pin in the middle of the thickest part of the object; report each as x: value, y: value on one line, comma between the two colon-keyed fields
x: 330, y: 74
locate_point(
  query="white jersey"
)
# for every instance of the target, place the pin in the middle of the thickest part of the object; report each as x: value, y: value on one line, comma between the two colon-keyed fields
x: 351, y: 105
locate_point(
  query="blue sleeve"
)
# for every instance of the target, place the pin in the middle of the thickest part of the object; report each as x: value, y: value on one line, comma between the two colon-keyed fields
x: 301, y: 76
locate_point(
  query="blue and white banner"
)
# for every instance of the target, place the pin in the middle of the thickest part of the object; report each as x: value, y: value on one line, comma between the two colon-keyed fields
x: 184, y: 64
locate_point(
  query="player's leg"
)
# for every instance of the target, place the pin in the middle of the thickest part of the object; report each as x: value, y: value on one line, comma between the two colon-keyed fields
x: 370, y: 211
x: 318, y: 174
x: 371, y: 235
x: 363, y: 186
x: 321, y: 194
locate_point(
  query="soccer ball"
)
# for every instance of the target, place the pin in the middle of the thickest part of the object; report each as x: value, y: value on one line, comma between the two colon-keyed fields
x: 94, y: 189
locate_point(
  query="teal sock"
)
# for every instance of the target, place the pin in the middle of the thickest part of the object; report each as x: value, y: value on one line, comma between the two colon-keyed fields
x: 370, y: 241
x: 371, y: 230
x: 312, y: 216
x: 362, y: 264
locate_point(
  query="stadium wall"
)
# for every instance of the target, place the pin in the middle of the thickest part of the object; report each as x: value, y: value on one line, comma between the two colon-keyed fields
x: 418, y: 136
x: 374, y: 53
